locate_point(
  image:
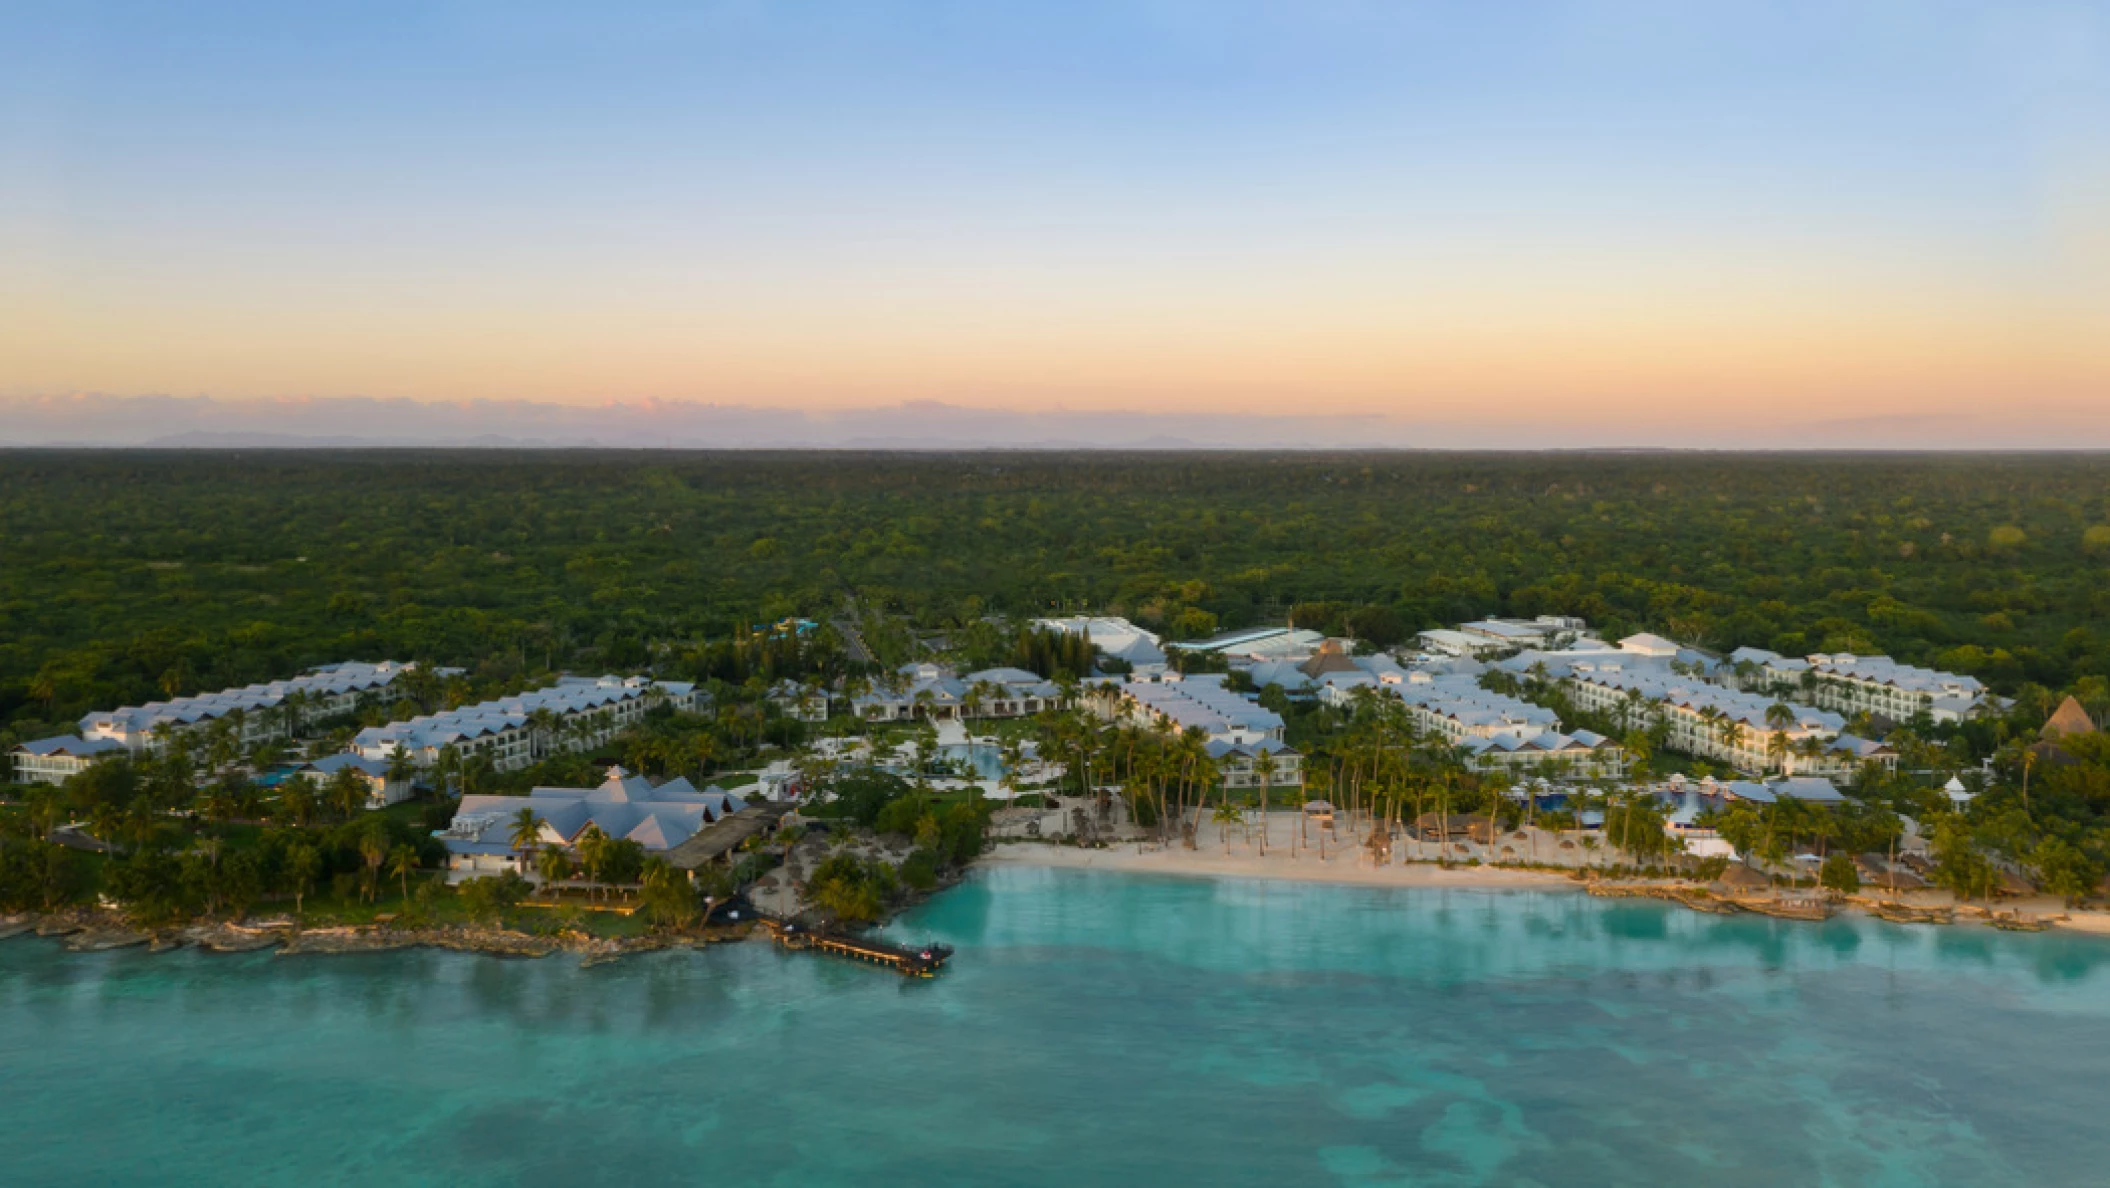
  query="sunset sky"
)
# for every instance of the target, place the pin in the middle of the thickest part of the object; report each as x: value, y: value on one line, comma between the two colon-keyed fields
x: 1671, y: 220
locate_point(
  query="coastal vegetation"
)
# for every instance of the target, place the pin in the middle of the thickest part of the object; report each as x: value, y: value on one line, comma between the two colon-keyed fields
x: 136, y: 576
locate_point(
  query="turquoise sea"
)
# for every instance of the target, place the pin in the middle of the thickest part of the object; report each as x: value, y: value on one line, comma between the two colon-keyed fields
x: 1095, y: 1029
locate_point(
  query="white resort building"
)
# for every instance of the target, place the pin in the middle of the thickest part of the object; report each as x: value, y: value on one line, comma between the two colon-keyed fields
x: 1497, y: 730
x: 52, y: 760
x: 480, y: 839
x: 1115, y: 638
x: 1853, y: 684
x: 932, y: 691
x: 572, y: 715
x: 1255, y: 765
x: 799, y: 701
x: 268, y: 711
x: 381, y: 789
x: 1189, y: 703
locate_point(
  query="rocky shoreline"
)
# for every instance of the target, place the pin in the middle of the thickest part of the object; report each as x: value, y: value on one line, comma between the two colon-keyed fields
x: 81, y: 931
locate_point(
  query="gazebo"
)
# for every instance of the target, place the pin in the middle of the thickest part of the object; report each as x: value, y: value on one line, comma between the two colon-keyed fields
x: 1958, y: 795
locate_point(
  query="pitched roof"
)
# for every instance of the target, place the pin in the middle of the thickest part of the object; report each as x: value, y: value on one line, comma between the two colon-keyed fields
x: 68, y: 744
x: 1328, y: 659
x: 332, y: 764
x: 1738, y: 877
x: 2068, y: 719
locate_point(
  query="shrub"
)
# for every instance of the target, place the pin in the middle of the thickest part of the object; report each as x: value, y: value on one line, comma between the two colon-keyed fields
x: 920, y: 870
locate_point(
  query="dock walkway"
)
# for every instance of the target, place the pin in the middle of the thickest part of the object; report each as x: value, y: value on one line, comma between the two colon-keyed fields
x: 921, y: 962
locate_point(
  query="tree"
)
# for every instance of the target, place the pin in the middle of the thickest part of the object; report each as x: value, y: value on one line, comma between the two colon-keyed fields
x: 2063, y: 869
x: 402, y: 863
x: 855, y: 890
x: 623, y: 861
x: 593, y: 852
x: 373, y: 847
x: 669, y: 896
x: 489, y: 898
x: 297, y: 800
x: 1958, y: 864
x: 525, y: 834
x: 554, y: 865
x: 401, y: 767
x: 1838, y: 874
x: 302, y: 865
x: 346, y: 790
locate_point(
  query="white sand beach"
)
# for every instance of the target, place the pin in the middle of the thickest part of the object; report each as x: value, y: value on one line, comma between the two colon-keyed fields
x: 1307, y: 868
x: 1341, y: 859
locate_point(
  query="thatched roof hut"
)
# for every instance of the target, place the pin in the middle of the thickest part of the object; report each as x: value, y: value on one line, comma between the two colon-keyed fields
x: 1876, y: 871
x: 2069, y: 719
x: 1432, y: 826
x: 1737, y: 877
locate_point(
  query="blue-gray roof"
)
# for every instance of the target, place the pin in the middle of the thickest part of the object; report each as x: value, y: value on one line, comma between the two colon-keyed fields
x: 68, y: 744
x: 332, y: 764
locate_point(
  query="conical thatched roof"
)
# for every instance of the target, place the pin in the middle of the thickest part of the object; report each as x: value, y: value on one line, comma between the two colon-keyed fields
x: 2068, y: 719
x: 1738, y: 877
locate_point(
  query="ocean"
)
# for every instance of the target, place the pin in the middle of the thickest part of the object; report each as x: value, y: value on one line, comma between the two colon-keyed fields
x: 1093, y: 1028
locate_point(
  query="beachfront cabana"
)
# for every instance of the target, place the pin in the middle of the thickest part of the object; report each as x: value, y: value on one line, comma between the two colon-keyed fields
x: 1472, y: 826
x: 1875, y: 871
x: 1738, y: 879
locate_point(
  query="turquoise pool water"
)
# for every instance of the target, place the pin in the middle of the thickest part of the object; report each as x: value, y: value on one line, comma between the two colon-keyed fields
x: 1095, y: 1029
x: 986, y: 760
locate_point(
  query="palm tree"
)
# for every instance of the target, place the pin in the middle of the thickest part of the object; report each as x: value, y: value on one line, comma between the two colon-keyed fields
x: 593, y: 851
x: 554, y: 865
x: 291, y: 709
x: 525, y: 834
x: 402, y: 862
x: 1264, y: 771
x: 544, y: 728
x: 347, y: 790
x: 296, y: 799
x: 446, y: 767
x: 373, y: 846
x: 302, y: 864
x: 401, y: 766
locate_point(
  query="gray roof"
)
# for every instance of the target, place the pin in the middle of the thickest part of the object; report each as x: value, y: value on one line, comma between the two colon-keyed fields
x: 626, y: 806
x: 351, y: 676
x: 1203, y: 704
x: 332, y: 764
x: 68, y: 744
x: 568, y: 696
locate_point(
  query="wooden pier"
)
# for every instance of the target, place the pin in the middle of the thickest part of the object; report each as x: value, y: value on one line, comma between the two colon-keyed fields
x: 921, y: 962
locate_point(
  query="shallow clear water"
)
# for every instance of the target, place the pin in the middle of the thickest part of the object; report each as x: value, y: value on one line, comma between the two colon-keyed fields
x: 1095, y: 1029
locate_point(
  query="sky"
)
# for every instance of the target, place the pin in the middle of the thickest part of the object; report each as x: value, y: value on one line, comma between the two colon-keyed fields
x: 1532, y: 223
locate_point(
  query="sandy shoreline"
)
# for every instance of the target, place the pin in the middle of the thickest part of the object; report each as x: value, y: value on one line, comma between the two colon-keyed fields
x: 1346, y: 869
x: 1350, y: 870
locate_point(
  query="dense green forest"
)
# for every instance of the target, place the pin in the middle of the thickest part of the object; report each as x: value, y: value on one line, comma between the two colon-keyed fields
x: 130, y: 575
